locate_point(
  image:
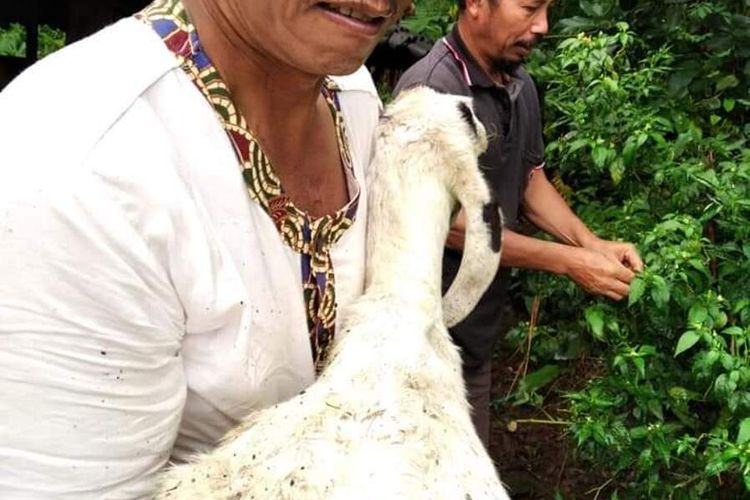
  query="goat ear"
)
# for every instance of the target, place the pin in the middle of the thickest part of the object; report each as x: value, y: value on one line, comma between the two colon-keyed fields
x: 492, y: 217
x: 468, y: 116
x: 482, y: 248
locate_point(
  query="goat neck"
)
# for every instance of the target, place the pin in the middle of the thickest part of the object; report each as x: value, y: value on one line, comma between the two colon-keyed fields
x: 404, y: 250
x: 420, y: 172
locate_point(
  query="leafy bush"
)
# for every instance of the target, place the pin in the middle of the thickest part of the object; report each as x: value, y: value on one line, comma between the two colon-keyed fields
x: 432, y: 18
x: 646, y: 154
x: 13, y: 40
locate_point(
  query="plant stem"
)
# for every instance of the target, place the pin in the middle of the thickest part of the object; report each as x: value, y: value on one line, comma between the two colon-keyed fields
x: 541, y: 421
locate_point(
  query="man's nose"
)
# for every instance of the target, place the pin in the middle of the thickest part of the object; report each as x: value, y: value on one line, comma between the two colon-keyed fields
x: 540, y: 24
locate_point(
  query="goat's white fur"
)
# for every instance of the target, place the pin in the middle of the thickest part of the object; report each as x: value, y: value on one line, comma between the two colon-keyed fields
x: 388, y: 418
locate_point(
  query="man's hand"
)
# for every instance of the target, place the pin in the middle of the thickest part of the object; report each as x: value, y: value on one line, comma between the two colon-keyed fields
x: 457, y: 232
x: 598, y: 266
x: 624, y: 253
x: 600, y: 273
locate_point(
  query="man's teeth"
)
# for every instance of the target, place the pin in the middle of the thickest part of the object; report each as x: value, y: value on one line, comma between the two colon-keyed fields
x: 355, y: 14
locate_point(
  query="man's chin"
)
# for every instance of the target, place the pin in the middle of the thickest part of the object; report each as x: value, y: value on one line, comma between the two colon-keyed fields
x: 507, y: 66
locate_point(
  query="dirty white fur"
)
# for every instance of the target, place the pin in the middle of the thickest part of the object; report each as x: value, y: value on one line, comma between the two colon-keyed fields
x: 388, y: 418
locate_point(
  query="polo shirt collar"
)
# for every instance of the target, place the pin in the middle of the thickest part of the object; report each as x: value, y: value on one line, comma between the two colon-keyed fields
x: 476, y: 75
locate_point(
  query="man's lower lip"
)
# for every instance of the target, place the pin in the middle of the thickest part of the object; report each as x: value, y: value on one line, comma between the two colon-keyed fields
x: 354, y: 24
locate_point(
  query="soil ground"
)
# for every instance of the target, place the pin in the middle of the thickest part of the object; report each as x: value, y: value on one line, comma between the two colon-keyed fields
x: 536, y: 460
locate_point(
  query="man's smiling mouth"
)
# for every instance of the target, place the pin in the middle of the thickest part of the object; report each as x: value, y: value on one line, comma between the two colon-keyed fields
x: 355, y: 14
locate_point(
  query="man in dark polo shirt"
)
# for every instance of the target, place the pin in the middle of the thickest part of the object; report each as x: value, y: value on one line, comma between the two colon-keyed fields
x: 482, y: 57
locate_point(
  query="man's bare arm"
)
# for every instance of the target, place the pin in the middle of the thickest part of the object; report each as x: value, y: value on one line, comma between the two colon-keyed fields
x: 598, y: 266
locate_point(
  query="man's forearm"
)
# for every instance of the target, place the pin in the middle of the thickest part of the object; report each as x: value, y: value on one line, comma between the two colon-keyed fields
x: 607, y: 271
x: 532, y: 253
x: 546, y: 209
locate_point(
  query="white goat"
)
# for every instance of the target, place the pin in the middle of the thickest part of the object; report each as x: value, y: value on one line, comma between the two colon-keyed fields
x: 388, y: 418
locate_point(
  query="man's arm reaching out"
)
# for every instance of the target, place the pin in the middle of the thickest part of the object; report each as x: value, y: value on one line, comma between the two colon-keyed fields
x: 598, y: 266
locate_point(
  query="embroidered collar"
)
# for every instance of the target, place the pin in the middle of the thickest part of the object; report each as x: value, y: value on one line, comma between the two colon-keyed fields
x: 311, y: 237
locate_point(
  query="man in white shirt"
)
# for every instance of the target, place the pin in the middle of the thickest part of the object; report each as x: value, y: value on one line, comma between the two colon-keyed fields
x: 180, y: 218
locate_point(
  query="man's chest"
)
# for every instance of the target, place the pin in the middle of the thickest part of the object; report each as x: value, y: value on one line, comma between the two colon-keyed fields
x: 505, y: 161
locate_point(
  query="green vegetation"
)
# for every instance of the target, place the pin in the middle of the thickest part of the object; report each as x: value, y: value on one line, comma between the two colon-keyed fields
x: 647, y: 122
x: 433, y: 18
x: 13, y: 40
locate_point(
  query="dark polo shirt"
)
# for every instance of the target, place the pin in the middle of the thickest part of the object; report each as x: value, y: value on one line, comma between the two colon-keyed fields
x: 510, y: 113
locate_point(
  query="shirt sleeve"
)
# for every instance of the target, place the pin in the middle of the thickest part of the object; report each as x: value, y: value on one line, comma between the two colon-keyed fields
x: 92, y: 383
x: 534, y: 147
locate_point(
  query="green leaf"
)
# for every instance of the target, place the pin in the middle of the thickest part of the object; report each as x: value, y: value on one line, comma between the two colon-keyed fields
x: 637, y: 287
x: 578, y: 144
x: 743, y: 436
x: 647, y: 350
x: 728, y: 362
x: 687, y: 340
x: 729, y: 105
x: 595, y: 8
x: 611, y: 84
x: 595, y: 319
x: 654, y: 406
x: 720, y: 319
x: 729, y: 81
x: 640, y: 365
x: 680, y: 393
x: 539, y: 378
x: 601, y: 155
x: 577, y: 23
x: 660, y: 292
x: 616, y: 171
x: 734, y: 331
x: 680, y: 80
x: 697, y: 315
x: 639, y: 432
x: 629, y: 151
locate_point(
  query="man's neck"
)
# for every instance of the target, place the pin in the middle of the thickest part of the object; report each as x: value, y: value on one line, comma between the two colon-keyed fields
x: 273, y: 91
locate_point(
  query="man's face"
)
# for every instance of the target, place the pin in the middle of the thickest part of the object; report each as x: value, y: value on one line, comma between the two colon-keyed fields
x: 317, y: 37
x: 505, y: 31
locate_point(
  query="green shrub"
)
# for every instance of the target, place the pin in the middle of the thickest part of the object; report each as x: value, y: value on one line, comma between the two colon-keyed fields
x: 432, y: 18
x: 668, y: 168
x: 13, y: 40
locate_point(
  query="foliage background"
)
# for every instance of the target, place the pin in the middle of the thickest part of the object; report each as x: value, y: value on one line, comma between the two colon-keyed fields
x: 646, y: 122
x: 13, y: 40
